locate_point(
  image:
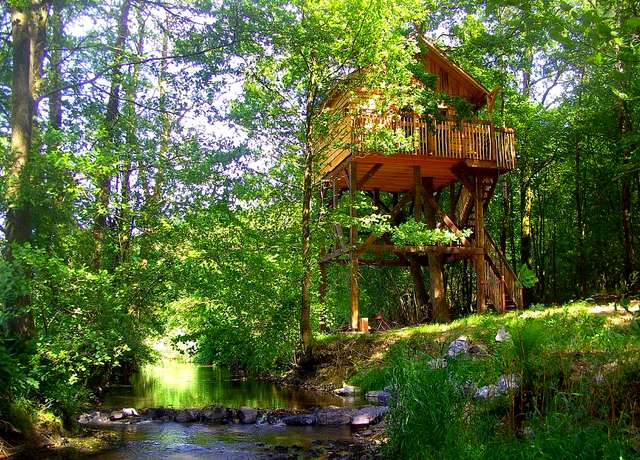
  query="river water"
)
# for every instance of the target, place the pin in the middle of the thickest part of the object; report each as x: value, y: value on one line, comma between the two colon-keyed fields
x: 184, y: 385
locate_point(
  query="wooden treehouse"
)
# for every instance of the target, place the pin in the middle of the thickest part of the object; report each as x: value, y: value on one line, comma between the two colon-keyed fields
x: 463, y: 158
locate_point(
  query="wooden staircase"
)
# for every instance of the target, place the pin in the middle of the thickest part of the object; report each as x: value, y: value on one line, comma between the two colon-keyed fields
x: 501, y: 283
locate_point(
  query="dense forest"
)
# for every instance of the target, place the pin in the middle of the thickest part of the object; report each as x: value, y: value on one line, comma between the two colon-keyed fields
x: 157, y: 172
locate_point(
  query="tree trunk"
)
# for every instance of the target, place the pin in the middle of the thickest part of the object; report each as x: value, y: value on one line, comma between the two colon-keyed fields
x: 526, y: 235
x: 422, y: 299
x: 125, y: 217
x: 625, y: 200
x: 111, y: 141
x: 55, y: 72
x: 19, y: 219
x: 506, y: 212
x: 305, y: 313
x: 165, y: 126
x: 580, y: 265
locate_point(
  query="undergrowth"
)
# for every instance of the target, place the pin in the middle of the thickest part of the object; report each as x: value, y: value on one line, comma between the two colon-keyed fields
x: 578, y: 393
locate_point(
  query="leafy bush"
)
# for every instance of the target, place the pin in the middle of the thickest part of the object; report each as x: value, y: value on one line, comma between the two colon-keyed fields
x: 578, y: 376
x: 389, y: 141
x: 416, y: 233
x: 92, y: 327
x: 239, y: 284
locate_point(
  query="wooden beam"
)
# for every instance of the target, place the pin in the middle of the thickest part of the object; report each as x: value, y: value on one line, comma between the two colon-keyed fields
x: 376, y: 263
x: 368, y: 175
x: 453, y: 198
x: 384, y: 262
x: 466, y: 182
x: 458, y: 250
x: 333, y: 254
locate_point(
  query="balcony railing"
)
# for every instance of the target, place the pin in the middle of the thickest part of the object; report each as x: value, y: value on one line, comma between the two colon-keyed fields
x: 449, y: 138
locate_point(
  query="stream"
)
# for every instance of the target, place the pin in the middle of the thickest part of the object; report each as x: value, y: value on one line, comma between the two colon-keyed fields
x: 184, y: 385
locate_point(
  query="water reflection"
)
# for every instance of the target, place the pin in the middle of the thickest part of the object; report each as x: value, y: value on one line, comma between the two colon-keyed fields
x: 179, y: 385
x: 179, y: 441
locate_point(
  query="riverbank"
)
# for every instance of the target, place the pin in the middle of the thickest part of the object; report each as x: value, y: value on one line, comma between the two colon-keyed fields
x: 522, y: 383
x: 540, y: 381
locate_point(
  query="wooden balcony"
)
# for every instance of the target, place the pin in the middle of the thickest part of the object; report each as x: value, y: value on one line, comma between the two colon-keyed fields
x: 436, y: 146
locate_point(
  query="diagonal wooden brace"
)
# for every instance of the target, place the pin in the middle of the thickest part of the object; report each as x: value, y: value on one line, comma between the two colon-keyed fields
x: 446, y: 219
x: 393, y: 214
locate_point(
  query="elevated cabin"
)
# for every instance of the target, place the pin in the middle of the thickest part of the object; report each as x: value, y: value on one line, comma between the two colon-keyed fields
x: 466, y: 157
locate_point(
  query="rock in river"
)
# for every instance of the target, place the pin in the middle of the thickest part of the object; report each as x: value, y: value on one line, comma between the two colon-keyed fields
x: 130, y: 412
x: 334, y: 416
x: 187, y: 415
x: 300, y: 420
x: 368, y: 415
x: 247, y: 415
x: 214, y: 414
x: 346, y: 390
x: 116, y: 415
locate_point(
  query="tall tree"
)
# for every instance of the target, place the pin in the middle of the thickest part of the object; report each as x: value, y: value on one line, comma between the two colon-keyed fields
x: 110, y: 138
x: 293, y: 55
x: 28, y: 34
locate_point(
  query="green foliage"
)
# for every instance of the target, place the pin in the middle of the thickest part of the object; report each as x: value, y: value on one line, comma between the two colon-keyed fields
x: 193, y: 240
x: 575, y: 370
x: 409, y: 232
x: 389, y: 141
x: 428, y: 417
x: 416, y: 233
x: 239, y: 286
x: 526, y: 277
x: 92, y: 326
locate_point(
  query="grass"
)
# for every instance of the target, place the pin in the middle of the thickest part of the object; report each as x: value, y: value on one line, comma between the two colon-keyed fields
x: 579, y: 397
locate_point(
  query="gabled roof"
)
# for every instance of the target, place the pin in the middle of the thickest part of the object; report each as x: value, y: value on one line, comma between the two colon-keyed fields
x: 444, y: 61
x: 477, y: 92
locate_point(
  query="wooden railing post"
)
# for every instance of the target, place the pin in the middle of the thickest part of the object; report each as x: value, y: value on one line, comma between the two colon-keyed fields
x: 493, y: 144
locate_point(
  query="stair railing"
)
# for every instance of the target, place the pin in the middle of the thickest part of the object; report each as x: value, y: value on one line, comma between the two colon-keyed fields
x: 501, y: 268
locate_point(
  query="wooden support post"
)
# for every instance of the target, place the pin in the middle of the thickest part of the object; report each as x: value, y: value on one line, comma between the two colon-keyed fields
x: 436, y: 274
x: 422, y: 299
x: 355, y: 295
x: 479, y: 234
x: 376, y: 198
